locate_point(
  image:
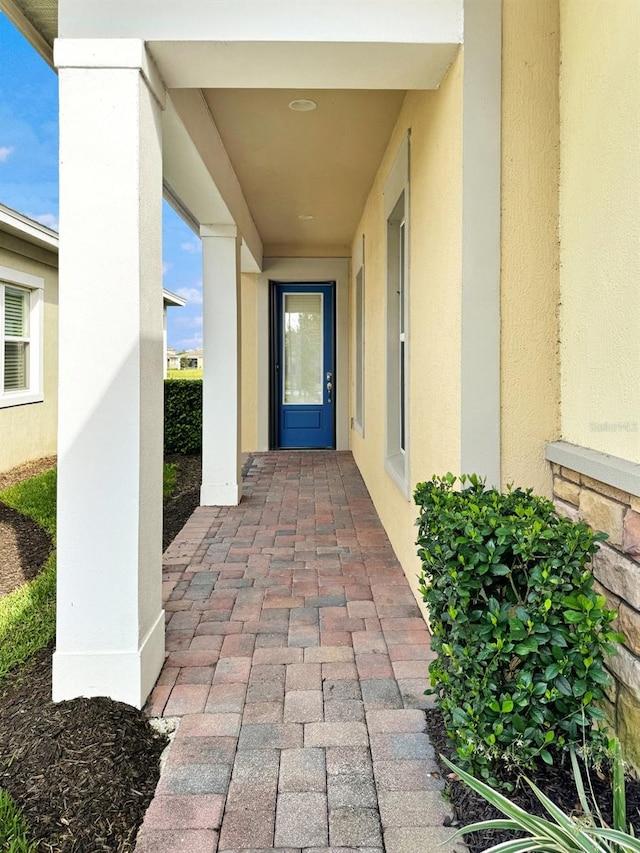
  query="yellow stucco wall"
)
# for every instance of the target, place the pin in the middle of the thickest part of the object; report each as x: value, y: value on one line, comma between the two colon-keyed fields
x: 434, y: 295
x: 249, y: 363
x: 30, y: 431
x: 599, y: 216
x: 530, y: 386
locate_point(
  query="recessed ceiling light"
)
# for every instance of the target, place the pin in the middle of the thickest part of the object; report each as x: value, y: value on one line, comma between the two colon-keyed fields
x: 305, y: 216
x: 302, y: 105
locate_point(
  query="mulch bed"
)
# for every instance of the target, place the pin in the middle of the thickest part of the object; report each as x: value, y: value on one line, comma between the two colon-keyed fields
x: 23, y: 472
x: 82, y: 771
x: 24, y: 547
x: 555, y: 781
x: 185, y: 498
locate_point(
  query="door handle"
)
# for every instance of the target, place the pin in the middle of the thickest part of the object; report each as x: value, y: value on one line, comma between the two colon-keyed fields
x: 329, y: 385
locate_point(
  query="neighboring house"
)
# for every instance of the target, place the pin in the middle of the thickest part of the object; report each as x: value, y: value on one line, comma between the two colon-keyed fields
x: 169, y: 300
x: 420, y: 231
x: 192, y: 359
x: 28, y: 339
x: 173, y: 360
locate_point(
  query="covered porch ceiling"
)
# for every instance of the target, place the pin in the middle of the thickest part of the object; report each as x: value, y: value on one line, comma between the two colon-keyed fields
x: 294, y: 182
x: 305, y: 174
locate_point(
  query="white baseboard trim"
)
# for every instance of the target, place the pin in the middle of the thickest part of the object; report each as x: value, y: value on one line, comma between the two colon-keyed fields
x: 123, y: 676
x: 224, y: 494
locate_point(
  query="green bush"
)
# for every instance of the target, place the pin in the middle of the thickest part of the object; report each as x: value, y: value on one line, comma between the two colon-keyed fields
x: 182, y: 416
x: 517, y: 627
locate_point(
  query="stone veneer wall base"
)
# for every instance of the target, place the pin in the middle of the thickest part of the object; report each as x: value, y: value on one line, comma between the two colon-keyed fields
x: 616, y: 568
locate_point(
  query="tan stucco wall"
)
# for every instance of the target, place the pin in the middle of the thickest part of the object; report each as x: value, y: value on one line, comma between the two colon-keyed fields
x: 599, y: 216
x: 30, y: 431
x: 249, y: 364
x: 530, y: 386
x: 434, y: 295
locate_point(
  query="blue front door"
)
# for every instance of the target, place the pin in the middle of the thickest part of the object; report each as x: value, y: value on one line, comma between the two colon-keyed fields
x: 305, y: 376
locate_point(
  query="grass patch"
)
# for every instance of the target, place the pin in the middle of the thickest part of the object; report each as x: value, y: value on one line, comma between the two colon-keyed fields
x: 28, y: 614
x: 184, y: 374
x: 169, y: 475
x: 35, y: 498
x: 13, y: 828
x: 28, y: 618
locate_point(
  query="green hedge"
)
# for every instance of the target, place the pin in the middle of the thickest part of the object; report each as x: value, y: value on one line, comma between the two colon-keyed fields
x: 182, y: 416
x: 518, y: 629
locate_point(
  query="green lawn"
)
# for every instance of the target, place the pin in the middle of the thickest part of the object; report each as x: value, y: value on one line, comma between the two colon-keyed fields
x: 28, y: 614
x: 184, y: 374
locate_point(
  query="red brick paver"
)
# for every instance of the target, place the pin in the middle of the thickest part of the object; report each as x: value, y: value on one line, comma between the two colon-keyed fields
x: 296, y: 661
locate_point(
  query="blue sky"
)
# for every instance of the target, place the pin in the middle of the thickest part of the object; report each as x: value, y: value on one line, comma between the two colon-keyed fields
x: 29, y: 175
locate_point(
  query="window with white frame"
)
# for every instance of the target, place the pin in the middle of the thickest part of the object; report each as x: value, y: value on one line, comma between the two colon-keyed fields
x: 21, y: 337
x: 396, y: 207
x: 358, y: 420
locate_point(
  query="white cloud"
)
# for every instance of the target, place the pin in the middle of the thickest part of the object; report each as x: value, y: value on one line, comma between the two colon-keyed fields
x: 191, y: 247
x: 192, y: 294
x: 5, y: 152
x: 166, y: 266
x: 48, y: 219
x: 188, y: 322
x: 187, y: 343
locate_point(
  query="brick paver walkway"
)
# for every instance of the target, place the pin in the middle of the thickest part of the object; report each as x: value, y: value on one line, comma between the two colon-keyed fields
x: 297, y: 660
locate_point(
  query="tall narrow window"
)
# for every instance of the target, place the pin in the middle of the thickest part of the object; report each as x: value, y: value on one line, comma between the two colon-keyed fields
x: 396, y: 205
x: 401, y: 333
x: 21, y: 332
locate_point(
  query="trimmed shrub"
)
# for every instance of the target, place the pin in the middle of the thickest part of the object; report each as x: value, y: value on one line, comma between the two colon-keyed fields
x: 182, y: 416
x: 517, y: 627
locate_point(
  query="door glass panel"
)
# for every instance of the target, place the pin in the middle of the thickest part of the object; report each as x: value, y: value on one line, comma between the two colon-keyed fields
x: 302, y: 343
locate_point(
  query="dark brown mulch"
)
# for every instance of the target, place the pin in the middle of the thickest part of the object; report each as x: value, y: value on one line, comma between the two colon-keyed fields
x: 24, y: 547
x: 185, y: 498
x: 555, y: 781
x: 82, y: 771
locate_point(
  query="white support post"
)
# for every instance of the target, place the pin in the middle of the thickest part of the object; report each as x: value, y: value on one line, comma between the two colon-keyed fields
x: 221, y: 468
x: 110, y: 622
x: 480, y: 440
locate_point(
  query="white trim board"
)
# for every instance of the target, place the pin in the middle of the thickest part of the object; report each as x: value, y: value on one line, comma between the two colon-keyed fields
x: 611, y: 470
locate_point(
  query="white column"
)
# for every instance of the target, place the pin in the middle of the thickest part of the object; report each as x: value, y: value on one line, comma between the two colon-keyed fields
x: 480, y: 440
x: 221, y: 468
x: 110, y: 625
